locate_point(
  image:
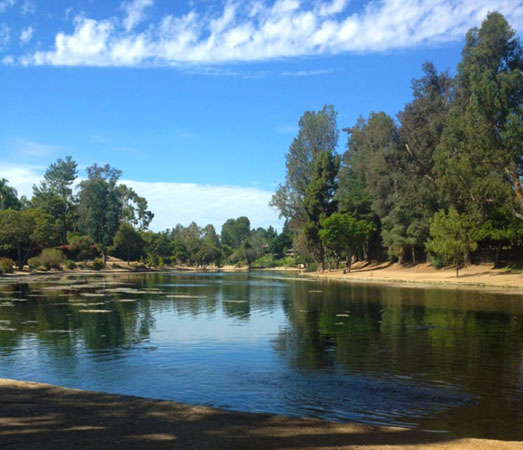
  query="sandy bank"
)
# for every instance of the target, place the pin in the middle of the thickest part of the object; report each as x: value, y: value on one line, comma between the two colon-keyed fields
x: 40, y: 416
x: 470, y: 277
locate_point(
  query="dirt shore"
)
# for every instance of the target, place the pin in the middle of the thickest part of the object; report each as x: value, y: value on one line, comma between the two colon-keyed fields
x: 424, y: 274
x: 41, y: 416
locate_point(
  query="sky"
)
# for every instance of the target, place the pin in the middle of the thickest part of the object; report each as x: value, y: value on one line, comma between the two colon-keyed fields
x: 197, y: 102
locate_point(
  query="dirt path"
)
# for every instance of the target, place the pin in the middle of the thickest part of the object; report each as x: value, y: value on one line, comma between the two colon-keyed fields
x: 40, y: 416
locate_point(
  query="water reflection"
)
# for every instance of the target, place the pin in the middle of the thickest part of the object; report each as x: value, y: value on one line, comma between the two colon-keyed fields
x: 436, y: 359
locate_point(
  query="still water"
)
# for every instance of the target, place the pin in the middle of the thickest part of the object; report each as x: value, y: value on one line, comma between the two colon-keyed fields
x: 442, y: 360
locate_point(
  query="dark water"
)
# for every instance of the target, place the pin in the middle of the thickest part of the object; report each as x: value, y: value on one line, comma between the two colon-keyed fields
x: 444, y: 360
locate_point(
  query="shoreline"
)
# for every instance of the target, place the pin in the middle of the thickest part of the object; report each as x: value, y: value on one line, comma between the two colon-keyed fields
x: 475, y: 277
x: 37, y: 415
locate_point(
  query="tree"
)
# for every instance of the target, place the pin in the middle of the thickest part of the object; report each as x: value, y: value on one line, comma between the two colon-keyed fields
x: 235, y: 232
x: 21, y: 230
x: 343, y: 235
x: 453, y: 237
x: 319, y: 202
x: 317, y: 133
x: 54, y: 195
x: 100, y: 205
x: 127, y: 241
x: 134, y: 208
x: 479, y: 162
x: 8, y: 196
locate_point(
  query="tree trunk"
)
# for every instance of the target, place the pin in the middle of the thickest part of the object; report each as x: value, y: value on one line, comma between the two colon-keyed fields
x: 466, y: 259
x: 497, y: 259
x: 348, y: 260
x: 20, y: 263
x: 104, y: 255
x: 413, y: 250
x: 401, y: 256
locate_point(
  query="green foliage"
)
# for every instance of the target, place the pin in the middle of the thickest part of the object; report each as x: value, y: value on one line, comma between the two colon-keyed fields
x: 6, y: 265
x: 128, y: 243
x: 81, y: 246
x: 100, y: 205
x: 453, y: 237
x: 98, y: 264
x: 54, y: 196
x: 50, y: 258
x: 22, y: 230
x: 235, y: 232
x: 343, y: 235
x: 8, y: 196
x: 317, y: 133
x: 70, y: 265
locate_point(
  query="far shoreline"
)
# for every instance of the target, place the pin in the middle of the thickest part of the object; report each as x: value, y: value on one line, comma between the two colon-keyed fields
x: 475, y: 277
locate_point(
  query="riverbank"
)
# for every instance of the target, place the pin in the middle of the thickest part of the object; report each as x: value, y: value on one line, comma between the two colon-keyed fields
x: 474, y: 276
x: 35, y: 415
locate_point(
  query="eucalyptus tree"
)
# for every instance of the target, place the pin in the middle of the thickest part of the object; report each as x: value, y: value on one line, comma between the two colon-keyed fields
x: 55, y: 196
x: 8, y: 196
x: 479, y: 162
x: 317, y: 134
x: 100, y: 205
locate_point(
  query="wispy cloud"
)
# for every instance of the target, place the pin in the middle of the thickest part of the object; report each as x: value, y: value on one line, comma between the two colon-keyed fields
x: 135, y: 11
x: 32, y: 149
x: 26, y: 34
x: 4, y: 35
x: 5, y: 4
x: 307, y: 73
x: 28, y: 7
x: 260, y: 30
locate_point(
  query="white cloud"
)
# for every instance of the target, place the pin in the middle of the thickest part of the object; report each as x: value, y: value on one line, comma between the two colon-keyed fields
x: 183, y: 203
x: 4, y: 35
x: 135, y: 11
x: 5, y: 4
x: 28, y: 7
x: 26, y: 34
x: 22, y: 178
x: 174, y: 203
x: 7, y: 60
x: 261, y: 30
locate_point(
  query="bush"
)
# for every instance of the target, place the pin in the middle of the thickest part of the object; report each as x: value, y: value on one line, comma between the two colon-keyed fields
x: 70, y: 265
x: 437, y: 261
x: 50, y: 258
x: 98, y: 264
x: 312, y: 267
x: 6, y: 265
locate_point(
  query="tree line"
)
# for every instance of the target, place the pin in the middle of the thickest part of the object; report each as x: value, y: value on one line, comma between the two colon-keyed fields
x: 440, y: 181
x: 105, y: 217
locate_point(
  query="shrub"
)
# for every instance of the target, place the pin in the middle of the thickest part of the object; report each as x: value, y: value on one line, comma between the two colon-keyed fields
x: 98, y: 264
x: 52, y: 258
x: 6, y: 265
x: 70, y: 265
x: 312, y: 267
x: 437, y: 261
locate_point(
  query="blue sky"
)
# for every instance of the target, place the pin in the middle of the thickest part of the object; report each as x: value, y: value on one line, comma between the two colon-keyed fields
x: 197, y: 101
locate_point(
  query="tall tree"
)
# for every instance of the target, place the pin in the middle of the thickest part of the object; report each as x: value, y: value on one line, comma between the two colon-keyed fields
x: 100, y: 205
x: 479, y: 161
x: 54, y: 195
x: 134, y: 208
x: 317, y: 133
x: 8, y: 196
x: 319, y: 202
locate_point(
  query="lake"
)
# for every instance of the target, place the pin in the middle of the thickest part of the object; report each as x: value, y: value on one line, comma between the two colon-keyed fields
x: 435, y: 359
